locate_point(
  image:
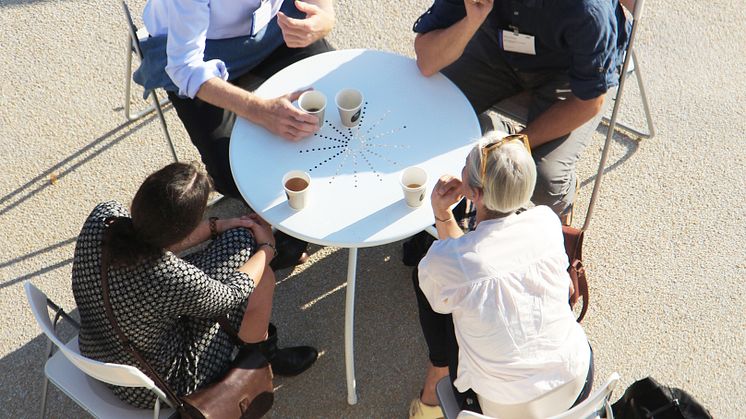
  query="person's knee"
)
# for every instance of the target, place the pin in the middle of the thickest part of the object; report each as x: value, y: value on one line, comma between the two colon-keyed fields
x: 554, y: 185
x: 238, y: 240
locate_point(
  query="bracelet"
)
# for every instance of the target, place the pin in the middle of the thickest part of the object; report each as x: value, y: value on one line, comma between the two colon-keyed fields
x: 213, y: 227
x: 443, y: 220
x: 274, y: 249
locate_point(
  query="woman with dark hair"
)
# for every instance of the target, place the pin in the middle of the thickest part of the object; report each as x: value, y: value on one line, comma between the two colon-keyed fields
x: 168, y: 305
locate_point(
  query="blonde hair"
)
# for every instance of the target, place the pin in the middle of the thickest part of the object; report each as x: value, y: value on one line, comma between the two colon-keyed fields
x: 510, y: 174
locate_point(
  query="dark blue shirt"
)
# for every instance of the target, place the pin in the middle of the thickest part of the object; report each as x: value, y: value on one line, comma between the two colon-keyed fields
x: 580, y: 37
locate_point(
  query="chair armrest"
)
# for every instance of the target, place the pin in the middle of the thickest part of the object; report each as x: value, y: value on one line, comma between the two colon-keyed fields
x: 444, y: 391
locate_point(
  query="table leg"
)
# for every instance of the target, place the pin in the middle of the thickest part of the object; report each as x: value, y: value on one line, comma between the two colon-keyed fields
x: 349, y: 326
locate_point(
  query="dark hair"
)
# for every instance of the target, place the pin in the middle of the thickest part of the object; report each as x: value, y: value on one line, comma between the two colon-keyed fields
x: 168, y: 206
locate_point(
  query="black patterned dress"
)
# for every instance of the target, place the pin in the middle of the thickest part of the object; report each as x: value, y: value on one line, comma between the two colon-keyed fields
x: 164, y: 306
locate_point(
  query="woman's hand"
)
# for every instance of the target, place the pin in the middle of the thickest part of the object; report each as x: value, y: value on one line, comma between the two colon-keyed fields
x: 445, y: 194
x: 261, y: 230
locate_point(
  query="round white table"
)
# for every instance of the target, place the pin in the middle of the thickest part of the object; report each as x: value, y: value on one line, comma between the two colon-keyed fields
x: 355, y: 197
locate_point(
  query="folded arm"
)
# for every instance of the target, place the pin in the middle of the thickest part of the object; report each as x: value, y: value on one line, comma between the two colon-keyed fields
x: 438, y: 48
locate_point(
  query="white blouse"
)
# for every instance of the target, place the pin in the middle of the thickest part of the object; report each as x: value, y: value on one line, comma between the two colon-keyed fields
x: 506, y: 284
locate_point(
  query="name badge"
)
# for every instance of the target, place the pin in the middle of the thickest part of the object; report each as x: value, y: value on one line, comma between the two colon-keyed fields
x: 261, y: 17
x: 518, y: 42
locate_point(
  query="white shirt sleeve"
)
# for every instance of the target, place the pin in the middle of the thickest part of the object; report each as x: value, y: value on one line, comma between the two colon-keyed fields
x: 188, y: 21
x: 441, y: 276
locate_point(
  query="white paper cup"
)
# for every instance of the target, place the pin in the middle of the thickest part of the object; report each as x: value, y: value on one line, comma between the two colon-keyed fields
x: 296, y: 184
x: 313, y: 103
x: 413, y: 184
x: 349, y: 103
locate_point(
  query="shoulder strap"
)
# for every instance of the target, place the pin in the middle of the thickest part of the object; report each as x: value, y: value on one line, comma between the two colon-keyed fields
x: 148, y: 369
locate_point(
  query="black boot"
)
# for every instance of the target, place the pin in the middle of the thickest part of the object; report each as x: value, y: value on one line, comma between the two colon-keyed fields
x: 290, y: 251
x: 285, y: 361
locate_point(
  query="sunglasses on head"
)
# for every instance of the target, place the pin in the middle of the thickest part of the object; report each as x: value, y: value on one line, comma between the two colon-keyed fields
x: 487, y: 148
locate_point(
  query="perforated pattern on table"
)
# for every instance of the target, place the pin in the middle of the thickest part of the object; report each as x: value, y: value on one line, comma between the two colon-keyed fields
x: 355, y: 197
x: 354, y: 146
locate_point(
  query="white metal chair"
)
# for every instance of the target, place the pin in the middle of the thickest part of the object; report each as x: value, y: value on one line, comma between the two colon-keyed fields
x: 591, y: 407
x: 82, y: 379
x: 133, y: 47
x: 516, y: 108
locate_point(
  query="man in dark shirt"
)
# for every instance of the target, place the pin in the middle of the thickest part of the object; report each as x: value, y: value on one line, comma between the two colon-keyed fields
x: 566, y: 53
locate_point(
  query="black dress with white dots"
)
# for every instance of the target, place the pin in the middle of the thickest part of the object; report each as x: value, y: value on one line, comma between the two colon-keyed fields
x: 166, y: 307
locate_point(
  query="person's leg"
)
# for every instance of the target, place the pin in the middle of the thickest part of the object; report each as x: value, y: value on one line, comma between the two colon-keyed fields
x: 258, y: 311
x: 556, y: 160
x: 435, y: 330
x: 209, y: 127
x: 221, y: 259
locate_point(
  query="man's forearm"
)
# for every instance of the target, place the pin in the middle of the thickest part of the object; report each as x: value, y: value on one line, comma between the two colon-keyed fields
x: 437, y: 49
x: 224, y: 95
x: 562, y: 118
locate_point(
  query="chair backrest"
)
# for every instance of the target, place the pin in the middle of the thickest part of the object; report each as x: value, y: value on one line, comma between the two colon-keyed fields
x: 135, y: 34
x: 116, y: 374
x: 596, y: 402
x: 589, y: 408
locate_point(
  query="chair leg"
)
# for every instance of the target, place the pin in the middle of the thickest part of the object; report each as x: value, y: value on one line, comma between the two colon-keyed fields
x: 45, y: 383
x: 644, y: 97
x: 157, y: 106
x: 645, y: 105
x: 128, y: 80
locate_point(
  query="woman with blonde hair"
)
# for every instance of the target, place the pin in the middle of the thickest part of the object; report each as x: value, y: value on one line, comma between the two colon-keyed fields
x: 493, y: 302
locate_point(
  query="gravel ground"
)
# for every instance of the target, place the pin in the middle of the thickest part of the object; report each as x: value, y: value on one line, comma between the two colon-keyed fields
x: 665, y: 252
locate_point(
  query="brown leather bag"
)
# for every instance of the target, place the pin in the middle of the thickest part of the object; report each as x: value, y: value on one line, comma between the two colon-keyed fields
x: 244, y: 392
x: 574, y: 250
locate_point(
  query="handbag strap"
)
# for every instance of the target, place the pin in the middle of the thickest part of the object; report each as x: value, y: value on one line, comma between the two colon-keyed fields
x: 145, y: 365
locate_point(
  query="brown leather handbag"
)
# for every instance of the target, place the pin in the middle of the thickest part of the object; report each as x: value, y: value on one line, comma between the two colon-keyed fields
x: 574, y: 250
x: 244, y: 392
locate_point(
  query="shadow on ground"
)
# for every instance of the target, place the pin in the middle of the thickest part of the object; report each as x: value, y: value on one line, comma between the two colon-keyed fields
x: 69, y: 164
x: 309, y: 309
x: 26, y: 367
x: 628, y: 141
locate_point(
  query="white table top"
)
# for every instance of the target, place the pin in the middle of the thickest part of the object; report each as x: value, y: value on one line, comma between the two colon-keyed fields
x: 356, y: 200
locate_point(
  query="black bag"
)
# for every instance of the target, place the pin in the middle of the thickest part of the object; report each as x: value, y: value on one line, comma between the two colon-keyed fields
x: 648, y: 399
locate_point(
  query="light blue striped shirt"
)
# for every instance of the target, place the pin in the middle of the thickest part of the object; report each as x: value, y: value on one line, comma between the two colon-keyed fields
x: 188, y: 24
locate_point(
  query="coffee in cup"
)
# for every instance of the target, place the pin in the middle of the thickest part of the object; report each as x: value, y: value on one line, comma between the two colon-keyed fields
x: 413, y: 183
x: 313, y: 103
x: 296, y: 184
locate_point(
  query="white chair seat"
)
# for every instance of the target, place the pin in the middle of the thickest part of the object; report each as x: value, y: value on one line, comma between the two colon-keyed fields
x: 92, y: 395
x: 82, y: 379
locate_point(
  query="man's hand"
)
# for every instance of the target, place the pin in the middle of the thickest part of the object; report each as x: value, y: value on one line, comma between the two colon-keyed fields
x: 280, y: 117
x: 445, y: 193
x: 477, y: 10
x: 299, y: 33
